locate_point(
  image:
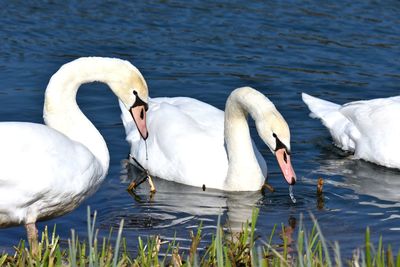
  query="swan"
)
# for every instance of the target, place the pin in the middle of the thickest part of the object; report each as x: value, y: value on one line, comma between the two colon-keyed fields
x: 369, y: 128
x: 194, y: 143
x: 47, y: 170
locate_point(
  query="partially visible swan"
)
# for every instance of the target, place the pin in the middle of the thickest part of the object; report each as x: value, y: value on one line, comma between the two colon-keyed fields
x: 186, y: 143
x: 369, y: 128
x: 47, y: 170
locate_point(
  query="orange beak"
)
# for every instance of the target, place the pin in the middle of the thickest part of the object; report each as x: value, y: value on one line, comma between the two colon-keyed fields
x: 139, y: 117
x: 283, y: 159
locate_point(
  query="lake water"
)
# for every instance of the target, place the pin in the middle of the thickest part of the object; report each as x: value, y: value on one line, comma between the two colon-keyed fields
x: 341, y: 50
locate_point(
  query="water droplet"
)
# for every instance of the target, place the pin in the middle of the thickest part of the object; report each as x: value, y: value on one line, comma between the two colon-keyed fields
x: 291, y: 194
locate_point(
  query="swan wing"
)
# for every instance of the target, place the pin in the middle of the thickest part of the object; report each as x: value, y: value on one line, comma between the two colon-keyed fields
x: 185, y: 144
x: 187, y: 109
x: 372, y: 114
x: 377, y: 121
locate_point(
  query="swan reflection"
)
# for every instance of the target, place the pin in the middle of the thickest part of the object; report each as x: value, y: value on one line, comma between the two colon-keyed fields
x: 175, y: 198
x: 364, y: 177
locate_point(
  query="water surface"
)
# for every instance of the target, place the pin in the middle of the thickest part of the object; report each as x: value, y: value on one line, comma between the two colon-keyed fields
x: 342, y: 51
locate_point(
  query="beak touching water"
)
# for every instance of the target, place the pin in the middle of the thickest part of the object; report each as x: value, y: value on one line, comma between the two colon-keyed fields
x: 285, y: 164
x: 139, y: 116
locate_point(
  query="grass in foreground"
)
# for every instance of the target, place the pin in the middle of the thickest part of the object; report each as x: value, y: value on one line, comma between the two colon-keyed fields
x: 242, y: 249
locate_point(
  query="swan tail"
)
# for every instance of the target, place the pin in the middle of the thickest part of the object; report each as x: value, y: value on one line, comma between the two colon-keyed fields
x: 319, y: 108
x: 343, y: 131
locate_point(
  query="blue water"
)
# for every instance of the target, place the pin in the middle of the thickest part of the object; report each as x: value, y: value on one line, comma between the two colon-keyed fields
x: 340, y: 50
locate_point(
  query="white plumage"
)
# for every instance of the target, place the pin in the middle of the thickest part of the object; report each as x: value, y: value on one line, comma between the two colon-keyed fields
x: 186, y: 140
x: 47, y: 170
x: 369, y: 128
x: 43, y: 173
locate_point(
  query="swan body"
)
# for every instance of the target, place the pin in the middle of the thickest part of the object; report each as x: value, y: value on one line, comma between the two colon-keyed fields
x: 186, y: 141
x: 69, y: 173
x: 47, y: 170
x: 368, y: 128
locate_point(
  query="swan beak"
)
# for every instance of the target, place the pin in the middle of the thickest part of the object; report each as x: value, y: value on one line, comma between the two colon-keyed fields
x: 139, y: 116
x: 283, y: 159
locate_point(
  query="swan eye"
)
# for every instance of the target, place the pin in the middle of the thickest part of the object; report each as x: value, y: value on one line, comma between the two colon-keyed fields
x: 279, y: 143
x: 139, y: 102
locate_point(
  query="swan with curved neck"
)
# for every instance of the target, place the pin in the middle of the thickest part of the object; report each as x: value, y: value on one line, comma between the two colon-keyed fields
x: 193, y: 143
x: 62, y: 113
x: 68, y: 157
x: 271, y: 127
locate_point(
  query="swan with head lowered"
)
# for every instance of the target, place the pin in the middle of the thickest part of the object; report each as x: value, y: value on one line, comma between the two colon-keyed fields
x: 369, y: 128
x: 194, y: 143
x: 67, y: 159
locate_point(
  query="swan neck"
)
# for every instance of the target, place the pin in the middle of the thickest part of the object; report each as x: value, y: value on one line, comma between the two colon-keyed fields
x: 61, y: 111
x: 243, y: 170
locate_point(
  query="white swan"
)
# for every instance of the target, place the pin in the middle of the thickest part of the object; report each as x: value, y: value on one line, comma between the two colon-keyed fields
x: 186, y: 141
x: 370, y: 128
x: 46, y: 171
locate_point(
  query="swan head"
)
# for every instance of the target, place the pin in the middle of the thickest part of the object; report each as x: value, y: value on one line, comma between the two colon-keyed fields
x: 275, y: 133
x: 131, y: 88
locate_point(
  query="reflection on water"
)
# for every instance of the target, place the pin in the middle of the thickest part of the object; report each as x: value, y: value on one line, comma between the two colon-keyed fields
x: 175, y: 209
x: 174, y: 198
x: 361, y: 187
x: 364, y: 177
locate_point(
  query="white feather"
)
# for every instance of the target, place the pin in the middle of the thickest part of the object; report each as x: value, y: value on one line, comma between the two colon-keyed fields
x: 370, y: 128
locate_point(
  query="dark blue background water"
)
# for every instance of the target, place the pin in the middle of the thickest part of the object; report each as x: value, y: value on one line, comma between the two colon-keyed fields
x: 339, y: 50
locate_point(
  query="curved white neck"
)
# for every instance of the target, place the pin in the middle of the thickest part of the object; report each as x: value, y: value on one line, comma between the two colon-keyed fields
x: 61, y: 111
x: 244, y: 171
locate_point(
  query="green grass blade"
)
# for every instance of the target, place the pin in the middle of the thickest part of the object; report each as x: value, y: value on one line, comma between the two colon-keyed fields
x: 72, y: 249
x: 3, y: 259
x: 323, y: 242
x: 380, y: 256
x: 368, y: 248
x: 117, y: 244
x: 254, y: 217
x: 338, y: 258
x: 272, y: 235
x: 218, y: 243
